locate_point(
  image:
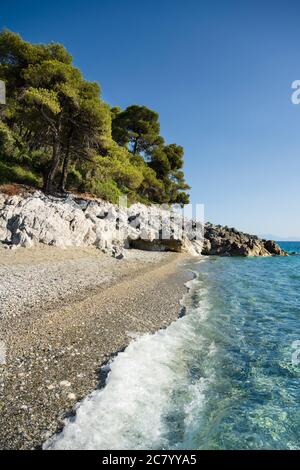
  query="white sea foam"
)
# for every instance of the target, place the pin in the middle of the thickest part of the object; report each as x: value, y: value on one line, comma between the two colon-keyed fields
x: 130, y: 411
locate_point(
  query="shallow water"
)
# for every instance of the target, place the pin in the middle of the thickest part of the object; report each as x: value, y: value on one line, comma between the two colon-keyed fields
x: 221, y: 377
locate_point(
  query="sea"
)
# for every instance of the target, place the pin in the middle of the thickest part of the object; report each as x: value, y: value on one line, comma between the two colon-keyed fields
x: 224, y: 376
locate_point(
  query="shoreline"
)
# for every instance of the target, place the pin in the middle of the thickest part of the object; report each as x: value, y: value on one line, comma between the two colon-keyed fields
x: 56, y: 346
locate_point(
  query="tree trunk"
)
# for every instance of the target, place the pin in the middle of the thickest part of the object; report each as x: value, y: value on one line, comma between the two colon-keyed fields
x: 135, y: 146
x: 64, y: 175
x: 53, y: 167
x: 55, y: 158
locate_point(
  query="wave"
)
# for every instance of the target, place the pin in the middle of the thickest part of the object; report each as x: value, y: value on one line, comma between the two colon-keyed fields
x: 146, y: 389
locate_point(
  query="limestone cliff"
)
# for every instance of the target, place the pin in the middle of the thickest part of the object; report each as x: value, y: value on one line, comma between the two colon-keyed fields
x: 29, y: 218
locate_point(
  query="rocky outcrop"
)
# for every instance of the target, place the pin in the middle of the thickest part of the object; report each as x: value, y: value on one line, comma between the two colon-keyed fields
x: 29, y: 219
x: 225, y: 241
x: 273, y: 248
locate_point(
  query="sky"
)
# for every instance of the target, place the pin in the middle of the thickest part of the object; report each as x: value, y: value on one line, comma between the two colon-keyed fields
x: 219, y: 74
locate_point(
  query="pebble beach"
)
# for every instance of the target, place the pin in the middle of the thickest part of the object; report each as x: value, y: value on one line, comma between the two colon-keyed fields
x: 64, y: 313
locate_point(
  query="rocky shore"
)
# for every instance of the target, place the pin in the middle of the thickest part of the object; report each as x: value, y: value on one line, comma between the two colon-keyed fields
x: 225, y: 241
x: 31, y: 218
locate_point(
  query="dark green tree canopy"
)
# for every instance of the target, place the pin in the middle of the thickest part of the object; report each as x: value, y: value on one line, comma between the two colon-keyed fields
x: 138, y: 127
x: 17, y: 54
x: 57, y: 132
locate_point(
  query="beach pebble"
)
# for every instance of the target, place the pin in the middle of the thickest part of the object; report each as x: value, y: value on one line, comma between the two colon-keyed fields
x: 71, y: 396
x: 65, y: 383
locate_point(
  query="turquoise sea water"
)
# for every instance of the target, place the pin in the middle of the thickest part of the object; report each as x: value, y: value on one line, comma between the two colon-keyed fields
x: 222, y: 377
x: 253, y: 400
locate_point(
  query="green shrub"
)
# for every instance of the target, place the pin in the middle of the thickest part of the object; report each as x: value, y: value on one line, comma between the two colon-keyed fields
x: 7, y: 141
x: 107, y: 190
x: 18, y: 174
x: 74, y: 179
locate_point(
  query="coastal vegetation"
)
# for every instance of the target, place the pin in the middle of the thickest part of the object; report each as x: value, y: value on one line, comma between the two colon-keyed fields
x: 57, y: 133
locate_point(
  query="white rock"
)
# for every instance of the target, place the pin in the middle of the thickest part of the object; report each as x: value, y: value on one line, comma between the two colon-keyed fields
x: 71, y: 396
x: 65, y: 222
x: 65, y: 383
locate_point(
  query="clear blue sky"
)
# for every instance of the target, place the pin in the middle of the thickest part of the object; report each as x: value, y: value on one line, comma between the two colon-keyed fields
x: 218, y: 72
